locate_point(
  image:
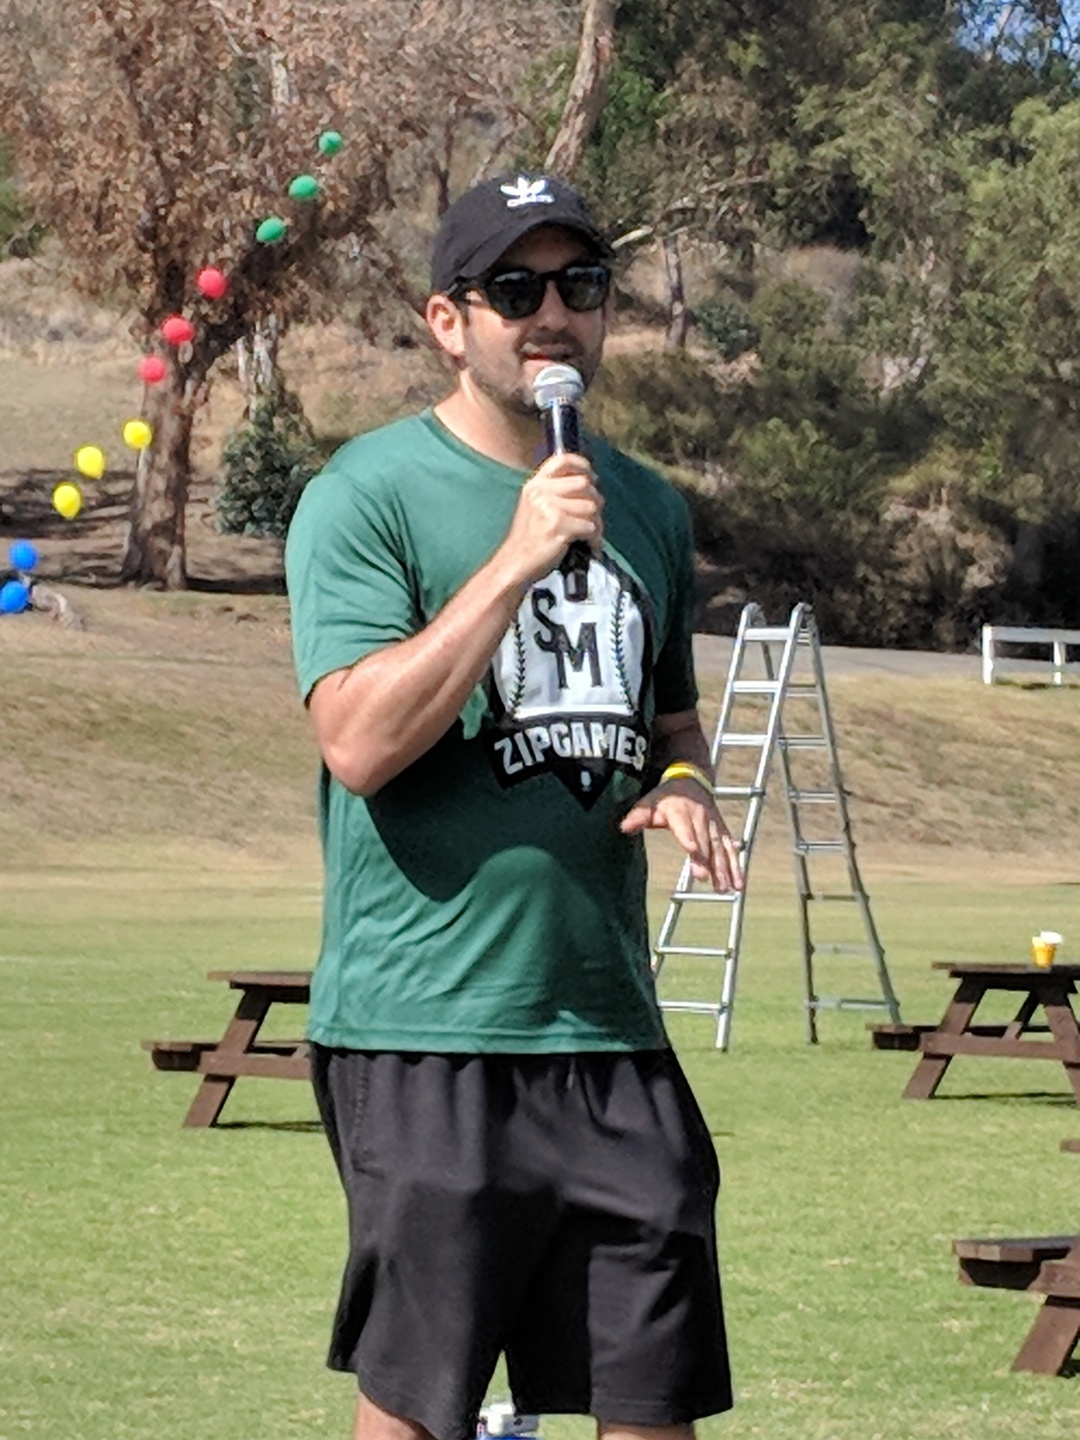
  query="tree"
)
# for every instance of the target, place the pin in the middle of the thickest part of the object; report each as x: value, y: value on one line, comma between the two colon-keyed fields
x: 701, y: 94
x: 1039, y: 33
x: 153, y: 137
x: 587, y: 87
x: 1007, y: 363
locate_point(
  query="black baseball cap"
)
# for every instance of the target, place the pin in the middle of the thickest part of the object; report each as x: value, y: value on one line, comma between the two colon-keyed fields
x: 489, y: 218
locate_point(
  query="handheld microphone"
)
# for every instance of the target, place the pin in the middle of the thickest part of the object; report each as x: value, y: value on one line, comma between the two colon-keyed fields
x: 557, y: 391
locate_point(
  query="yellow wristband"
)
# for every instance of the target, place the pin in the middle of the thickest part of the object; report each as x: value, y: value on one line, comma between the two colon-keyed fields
x: 683, y: 770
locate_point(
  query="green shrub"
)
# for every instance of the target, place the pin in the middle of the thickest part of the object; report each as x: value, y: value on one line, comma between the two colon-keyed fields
x: 842, y: 563
x: 801, y: 466
x: 664, y: 406
x: 727, y: 326
x: 20, y: 236
x: 264, y: 467
x: 11, y: 216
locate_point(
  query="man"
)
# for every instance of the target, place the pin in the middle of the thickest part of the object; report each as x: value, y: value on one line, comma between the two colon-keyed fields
x: 526, y: 1169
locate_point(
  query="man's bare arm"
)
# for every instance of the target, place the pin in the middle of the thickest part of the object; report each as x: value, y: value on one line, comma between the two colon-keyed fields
x: 375, y: 718
x: 680, y: 737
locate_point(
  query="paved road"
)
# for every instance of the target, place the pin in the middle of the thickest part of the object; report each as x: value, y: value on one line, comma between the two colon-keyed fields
x: 712, y: 657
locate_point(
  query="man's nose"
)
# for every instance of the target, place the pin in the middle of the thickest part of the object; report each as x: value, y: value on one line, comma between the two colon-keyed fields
x: 553, y: 309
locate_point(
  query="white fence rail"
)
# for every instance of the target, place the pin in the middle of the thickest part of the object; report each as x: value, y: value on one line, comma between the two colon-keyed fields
x: 1056, y: 641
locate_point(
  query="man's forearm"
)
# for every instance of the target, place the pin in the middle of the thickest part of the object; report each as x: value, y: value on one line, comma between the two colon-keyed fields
x: 680, y: 739
x: 380, y: 715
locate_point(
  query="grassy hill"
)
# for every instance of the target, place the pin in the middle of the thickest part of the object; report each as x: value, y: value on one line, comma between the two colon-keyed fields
x: 175, y: 717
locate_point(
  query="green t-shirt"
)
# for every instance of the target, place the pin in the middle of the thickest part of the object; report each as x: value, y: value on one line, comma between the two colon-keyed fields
x: 485, y: 899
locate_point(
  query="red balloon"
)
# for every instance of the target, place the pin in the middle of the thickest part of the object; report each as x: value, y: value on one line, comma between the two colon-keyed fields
x: 177, y: 331
x: 152, y: 369
x: 211, y: 282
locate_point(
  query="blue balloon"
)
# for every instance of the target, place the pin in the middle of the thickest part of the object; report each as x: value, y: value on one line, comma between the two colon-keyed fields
x: 14, y: 597
x: 23, y: 555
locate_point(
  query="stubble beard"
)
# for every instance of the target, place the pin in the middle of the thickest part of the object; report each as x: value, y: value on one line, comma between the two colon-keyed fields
x: 516, y: 399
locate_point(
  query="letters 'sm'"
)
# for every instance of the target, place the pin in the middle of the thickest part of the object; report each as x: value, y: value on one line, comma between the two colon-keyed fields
x: 554, y: 638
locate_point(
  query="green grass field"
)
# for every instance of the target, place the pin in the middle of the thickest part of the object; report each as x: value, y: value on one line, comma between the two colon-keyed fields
x: 159, y: 1282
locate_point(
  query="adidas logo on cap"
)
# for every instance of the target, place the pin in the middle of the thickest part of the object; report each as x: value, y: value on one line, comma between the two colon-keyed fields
x: 527, y: 192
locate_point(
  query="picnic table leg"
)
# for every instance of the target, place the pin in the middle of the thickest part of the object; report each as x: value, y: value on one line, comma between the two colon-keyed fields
x: 930, y: 1070
x: 1062, y: 1021
x: 1015, y: 1028
x: 238, y: 1038
x: 1052, y: 1338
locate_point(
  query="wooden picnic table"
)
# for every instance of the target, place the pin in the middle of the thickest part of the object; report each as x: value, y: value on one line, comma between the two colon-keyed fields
x: 1048, y: 990
x: 240, y: 1051
x: 1047, y: 1265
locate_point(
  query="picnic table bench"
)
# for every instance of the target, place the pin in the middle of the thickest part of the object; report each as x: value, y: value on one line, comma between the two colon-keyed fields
x: 1048, y: 990
x: 239, y: 1051
x: 1047, y: 1265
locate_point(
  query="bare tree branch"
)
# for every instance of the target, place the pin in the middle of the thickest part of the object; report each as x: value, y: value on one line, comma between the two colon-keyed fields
x: 585, y: 100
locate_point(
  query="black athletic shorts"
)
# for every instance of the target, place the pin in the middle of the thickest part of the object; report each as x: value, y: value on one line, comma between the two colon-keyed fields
x: 558, y: 1208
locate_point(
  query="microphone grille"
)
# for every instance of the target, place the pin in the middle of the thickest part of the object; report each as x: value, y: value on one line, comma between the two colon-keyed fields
x: 557, y: 383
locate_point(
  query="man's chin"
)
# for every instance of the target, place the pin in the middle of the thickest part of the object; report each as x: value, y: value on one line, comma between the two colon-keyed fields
x: 519, y: 402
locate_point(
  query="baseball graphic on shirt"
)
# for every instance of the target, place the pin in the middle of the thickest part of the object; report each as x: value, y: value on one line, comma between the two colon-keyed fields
x: 567, y: 681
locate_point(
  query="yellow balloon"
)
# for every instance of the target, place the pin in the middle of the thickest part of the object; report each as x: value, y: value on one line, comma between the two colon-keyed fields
x: 67, y: 499
x: 138, y: 434
x: 90, y: 461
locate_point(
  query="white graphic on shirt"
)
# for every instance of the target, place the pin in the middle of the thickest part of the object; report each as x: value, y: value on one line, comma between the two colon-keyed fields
x: 527, y: 192
x: 567, y: 681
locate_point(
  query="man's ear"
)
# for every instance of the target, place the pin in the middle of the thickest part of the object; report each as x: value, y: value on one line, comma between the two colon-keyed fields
x: 446, y: 322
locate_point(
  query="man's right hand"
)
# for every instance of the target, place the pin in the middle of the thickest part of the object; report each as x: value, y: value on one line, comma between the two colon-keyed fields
x: 559, y: 504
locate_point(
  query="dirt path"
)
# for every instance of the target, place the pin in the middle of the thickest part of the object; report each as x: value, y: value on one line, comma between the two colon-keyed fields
x: 712, y: 657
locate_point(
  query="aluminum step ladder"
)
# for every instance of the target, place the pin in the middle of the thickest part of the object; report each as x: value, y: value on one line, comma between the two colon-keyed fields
x: 776, y: 672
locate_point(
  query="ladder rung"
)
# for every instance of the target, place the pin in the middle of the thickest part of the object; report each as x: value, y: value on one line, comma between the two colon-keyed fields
x: 835, y: 896
x: 798, y: 689
x: 696, y: 1007
x: 820, y: 847
x: 813, y: 797
x: 742, y: 739
x: 738, y: 792
x: 707, y: 952
x: 772, y: 634
x: 803, y: 742
x: 711, y: 897
x: 842, y: 948
x: 755, y: 687
x: 844, y: 1002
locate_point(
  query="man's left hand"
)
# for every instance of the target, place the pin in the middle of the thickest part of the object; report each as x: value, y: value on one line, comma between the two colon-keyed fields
x: 682, y: 807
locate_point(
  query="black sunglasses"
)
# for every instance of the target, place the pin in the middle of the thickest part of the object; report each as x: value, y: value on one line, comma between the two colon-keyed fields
x: 517, y: 294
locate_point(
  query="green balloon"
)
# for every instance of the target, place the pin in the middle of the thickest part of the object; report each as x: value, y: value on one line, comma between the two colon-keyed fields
x: 330, y: 142
x: 271, y: 230
x: 304, y: 187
